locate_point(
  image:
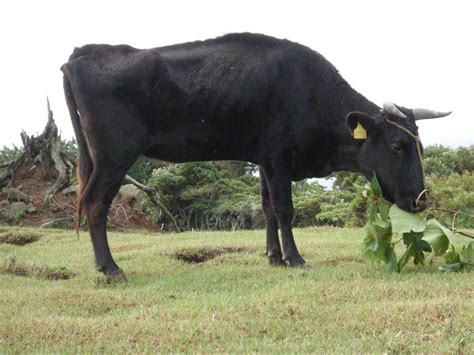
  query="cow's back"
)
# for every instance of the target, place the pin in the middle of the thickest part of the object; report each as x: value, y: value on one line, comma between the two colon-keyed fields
x: 230, y: 96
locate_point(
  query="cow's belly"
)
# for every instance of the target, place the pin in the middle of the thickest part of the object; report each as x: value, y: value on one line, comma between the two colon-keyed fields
x: 187, y: 145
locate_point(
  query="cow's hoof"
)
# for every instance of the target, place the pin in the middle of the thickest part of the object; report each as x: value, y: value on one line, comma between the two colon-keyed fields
x: 276, y: 260
x: 304, y: 266
x: 116, y: 277
x: 296, y: 262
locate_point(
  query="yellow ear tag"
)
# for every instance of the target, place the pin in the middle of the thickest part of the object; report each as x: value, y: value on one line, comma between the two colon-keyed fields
x: 360, y: 132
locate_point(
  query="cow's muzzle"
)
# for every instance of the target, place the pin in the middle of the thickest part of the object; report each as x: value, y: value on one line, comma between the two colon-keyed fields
x: 414, y: 204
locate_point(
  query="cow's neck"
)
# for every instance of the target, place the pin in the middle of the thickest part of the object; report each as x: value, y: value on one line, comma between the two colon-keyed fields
x: 350, y: 101
x: 346, y: 157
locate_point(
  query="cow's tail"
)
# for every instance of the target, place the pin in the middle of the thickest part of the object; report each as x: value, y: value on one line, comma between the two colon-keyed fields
x: 85, y: 165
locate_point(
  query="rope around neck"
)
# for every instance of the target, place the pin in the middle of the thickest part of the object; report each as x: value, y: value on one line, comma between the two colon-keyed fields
x: 418, y: 149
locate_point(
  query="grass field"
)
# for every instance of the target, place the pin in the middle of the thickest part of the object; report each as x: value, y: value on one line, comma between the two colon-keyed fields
x: 52, y: 300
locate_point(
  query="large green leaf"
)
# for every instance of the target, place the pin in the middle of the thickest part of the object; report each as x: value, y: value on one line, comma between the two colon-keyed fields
x: 438, y: 236
x: 391, y: 264
x: 384, y: 209
x: 415, y: 247
x: 419, y: 256
x: 369, y: 228
x: 425, y: 246
x: 405, y: 222
x: 370, y: 246
x: 432, y: 225
x: 406, y: 256
x: 375, y: 186
x: 375, y: 245
x: 382, y: 227
x: 452, y: 256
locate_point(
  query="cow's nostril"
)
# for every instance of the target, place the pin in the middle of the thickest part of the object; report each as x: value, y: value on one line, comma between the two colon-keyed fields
x: 418, y: 205
x: 422, y: 204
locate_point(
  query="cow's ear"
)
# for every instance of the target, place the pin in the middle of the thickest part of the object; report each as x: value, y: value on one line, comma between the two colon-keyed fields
x: 356, y: 118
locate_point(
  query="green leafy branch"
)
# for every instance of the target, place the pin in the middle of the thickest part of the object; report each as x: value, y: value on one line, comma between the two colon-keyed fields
x: 389, y: 225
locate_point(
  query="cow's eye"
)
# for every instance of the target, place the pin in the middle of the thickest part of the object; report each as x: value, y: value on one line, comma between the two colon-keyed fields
x: 396, y: 147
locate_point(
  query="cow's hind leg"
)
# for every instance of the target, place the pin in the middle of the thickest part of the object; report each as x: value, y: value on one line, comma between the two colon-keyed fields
x: 273, y: 248
x: 114, y: 146
x: 106, y: 183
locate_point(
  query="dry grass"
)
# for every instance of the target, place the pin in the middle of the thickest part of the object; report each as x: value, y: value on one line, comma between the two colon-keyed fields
x: 232, y: 302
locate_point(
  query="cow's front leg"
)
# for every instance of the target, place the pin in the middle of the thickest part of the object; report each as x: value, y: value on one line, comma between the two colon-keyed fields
x: 279, y: 183
x: 273, y: 248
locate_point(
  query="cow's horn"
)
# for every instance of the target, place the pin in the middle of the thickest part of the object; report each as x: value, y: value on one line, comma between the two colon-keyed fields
x: 391, y: 108
x: 424, y: 114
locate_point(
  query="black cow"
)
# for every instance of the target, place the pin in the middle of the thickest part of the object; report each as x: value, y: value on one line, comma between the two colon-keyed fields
x: 244, y: 97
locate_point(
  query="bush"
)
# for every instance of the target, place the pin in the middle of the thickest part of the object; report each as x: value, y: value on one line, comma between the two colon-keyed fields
x: 209, y: 195
x: 335, y: 209
x: 455, y: 193
x: 9, y: 154
x: 444, y: 161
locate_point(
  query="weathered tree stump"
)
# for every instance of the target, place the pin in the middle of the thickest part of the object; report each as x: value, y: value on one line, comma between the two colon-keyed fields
x: 47, y: 151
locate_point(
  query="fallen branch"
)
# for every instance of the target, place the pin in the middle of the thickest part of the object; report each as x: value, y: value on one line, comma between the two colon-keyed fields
x: 449, y: 210
x: 53, y: 222
x: 464, y: 233
x: 455, y: 214
x: 153, y: 195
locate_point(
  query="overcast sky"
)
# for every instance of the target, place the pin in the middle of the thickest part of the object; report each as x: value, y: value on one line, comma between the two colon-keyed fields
x: 414, y: 53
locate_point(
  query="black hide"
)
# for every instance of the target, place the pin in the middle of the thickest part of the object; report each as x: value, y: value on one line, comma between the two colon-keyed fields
x: 244, y: 97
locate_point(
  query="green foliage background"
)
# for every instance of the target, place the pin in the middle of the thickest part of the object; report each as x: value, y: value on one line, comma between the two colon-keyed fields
x: 8, y: 154
x: 226, y: 195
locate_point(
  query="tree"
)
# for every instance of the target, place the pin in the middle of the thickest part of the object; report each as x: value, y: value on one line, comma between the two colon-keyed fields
x: 444, y: 161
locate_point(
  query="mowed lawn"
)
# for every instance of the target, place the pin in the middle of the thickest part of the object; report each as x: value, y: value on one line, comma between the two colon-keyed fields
x: 234, y: 302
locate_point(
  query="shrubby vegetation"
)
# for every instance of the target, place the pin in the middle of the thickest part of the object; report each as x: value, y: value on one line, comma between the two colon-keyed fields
x: 453, y: 195
x: 221, y: 195
x: 226, y: 195
x: 443, y: 161
x: 9, y: 154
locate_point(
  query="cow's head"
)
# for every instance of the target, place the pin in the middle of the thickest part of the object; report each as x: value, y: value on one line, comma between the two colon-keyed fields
x: 390, y: 150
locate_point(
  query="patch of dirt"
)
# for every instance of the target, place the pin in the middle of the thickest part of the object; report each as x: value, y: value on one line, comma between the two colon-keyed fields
x: 343, y: 259
x: 61, y: 211
x: 18, y: 239
x: 196, y: 256
x: 12, y: 267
